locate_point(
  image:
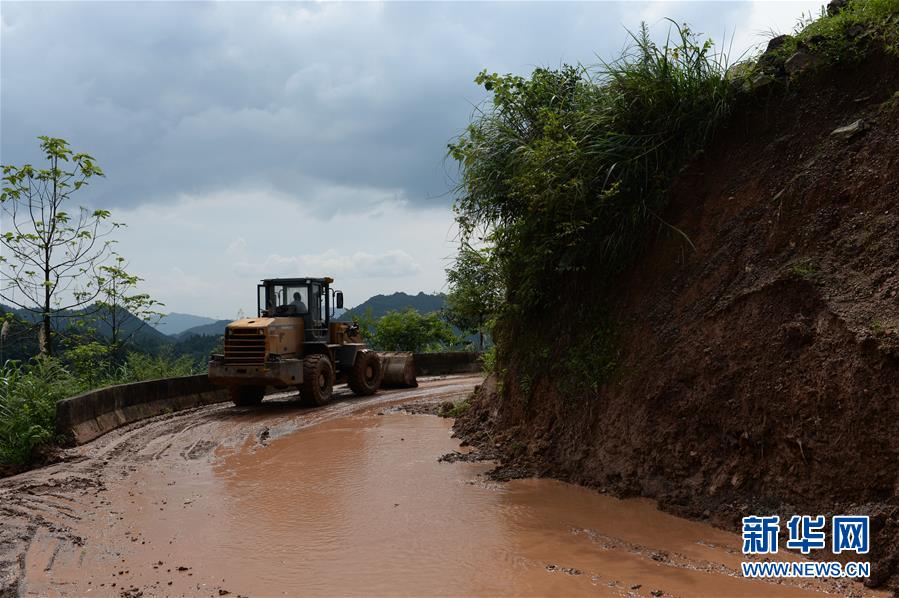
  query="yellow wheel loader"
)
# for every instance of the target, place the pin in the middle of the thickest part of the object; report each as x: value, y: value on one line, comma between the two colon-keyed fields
x: 293, y: 343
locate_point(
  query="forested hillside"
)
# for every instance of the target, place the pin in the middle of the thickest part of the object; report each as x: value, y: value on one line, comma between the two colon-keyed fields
x: 380, y: 305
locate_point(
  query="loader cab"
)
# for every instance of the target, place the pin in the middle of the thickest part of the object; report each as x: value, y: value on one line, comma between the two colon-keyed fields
x: 309, y: 298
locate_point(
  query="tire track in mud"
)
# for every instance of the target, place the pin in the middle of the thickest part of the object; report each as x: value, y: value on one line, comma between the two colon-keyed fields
x: 38, y: 508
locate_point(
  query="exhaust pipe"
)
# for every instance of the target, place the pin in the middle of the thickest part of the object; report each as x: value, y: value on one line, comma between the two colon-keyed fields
x: 397, y: 370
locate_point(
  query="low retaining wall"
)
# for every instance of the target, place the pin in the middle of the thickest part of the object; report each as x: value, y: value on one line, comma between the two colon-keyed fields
x: 95, y: 413
x: 436, y: 364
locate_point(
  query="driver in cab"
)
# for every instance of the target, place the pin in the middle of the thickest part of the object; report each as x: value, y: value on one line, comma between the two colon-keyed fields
x: 298, y: 303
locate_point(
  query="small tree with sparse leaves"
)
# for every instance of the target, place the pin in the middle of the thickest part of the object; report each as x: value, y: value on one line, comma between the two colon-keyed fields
x: 123, y: 310
x: 51, y: 252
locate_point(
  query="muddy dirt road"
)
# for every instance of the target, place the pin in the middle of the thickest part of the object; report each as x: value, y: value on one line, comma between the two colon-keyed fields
x: 349, y: 499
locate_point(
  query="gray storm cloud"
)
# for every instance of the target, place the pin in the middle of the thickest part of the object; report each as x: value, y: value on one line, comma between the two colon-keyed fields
x: 193, y: 97
x: 250, y: 139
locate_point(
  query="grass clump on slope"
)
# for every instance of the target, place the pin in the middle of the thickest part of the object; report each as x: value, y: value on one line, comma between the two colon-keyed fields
x: 565, y: 173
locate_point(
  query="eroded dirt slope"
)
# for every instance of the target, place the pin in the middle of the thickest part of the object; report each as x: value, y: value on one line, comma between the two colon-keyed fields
x: 760, y: 368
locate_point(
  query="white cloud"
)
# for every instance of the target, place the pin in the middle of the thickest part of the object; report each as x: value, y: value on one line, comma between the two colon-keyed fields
x: 361, y: 264
x: 237, y: 247
x: 204, y: 254
x: 189, y: 97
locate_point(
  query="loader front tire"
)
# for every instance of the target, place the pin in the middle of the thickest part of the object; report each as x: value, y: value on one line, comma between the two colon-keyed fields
x: 318, y: 380
x: 247, y: 396
x: 365, y: 376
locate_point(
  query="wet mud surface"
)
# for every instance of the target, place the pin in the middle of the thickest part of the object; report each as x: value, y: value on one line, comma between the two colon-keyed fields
x: 349, y: 499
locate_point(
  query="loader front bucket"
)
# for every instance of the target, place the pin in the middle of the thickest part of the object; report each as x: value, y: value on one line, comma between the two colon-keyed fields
x: 397, y: 370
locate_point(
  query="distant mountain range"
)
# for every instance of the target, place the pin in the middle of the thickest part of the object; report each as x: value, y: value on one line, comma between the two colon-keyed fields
x: 381, y: 304
x: 129, y: 324
x: 182, y: 326
x: 187, y: 333
x: 174, y: 323
x: 21, y: 340
x: 213, y: 328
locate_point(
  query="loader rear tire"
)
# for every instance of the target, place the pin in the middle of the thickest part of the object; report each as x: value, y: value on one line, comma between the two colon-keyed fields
x: 318, y: 380
x: 365, y: 376
x: 247, y: 396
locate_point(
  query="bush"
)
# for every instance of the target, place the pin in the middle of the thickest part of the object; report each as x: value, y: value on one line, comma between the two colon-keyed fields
x: 410, y: 330
x: 29, y: 392
x: 566, y: 174
x: 849, y: 34
x: 454, y: 410
x: 139, y: 367
x: 28, y: 396
x: 489, y: 360
x: 568, y: 167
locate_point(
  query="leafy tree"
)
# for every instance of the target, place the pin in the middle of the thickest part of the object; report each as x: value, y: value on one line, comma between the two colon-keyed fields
x: 410, y: 330
x: 368, y: 325
x: 17, y: 339
x: 123, y: 310
x: 51, y: 254
x: 476, y: 291
x: 89, y: 362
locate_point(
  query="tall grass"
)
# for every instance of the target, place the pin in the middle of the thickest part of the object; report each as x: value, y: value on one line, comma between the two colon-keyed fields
x: 566, y: 173
x: 28, y: 396
x: 29, y: 393
x: 566, y: 168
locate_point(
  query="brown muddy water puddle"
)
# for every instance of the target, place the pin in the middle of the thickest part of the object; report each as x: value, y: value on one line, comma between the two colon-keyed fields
x: 360, y: 506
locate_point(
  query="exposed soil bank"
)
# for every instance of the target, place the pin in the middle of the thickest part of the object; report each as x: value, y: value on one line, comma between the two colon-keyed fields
x: 346, y: 500
x: 759, y: 371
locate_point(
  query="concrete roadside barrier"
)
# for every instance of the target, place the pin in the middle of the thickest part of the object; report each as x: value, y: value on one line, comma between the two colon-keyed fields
x: 438, y: 364
x: 92, y: 414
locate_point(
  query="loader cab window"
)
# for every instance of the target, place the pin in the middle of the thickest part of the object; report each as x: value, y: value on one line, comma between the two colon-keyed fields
x: 316, y: 305
x: 283, y: 299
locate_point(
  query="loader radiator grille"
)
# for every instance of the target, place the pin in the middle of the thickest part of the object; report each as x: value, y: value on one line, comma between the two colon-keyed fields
x: 244, y: 346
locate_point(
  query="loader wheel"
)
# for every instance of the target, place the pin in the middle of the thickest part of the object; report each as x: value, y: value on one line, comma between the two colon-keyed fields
x: 247, y: 396
x: 318, y: 380
x: 365, y: 376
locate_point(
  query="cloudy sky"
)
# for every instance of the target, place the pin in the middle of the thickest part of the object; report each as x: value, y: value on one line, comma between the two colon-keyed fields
x: 245, y: 140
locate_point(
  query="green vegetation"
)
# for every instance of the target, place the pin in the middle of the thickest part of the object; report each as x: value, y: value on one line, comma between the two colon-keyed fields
x: 75, y: 304
x: 28, y: 397
x: 29, y: 393
x: 476, y: 291
x: 52, y: 251
x: 846, y: 35
x: 408, y: 330
x: 457, y: 409
x: 805, y: 269
x: 489, y: 360
x: 381, y: 305
x: 566, y: 173
x: 119, y: 302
